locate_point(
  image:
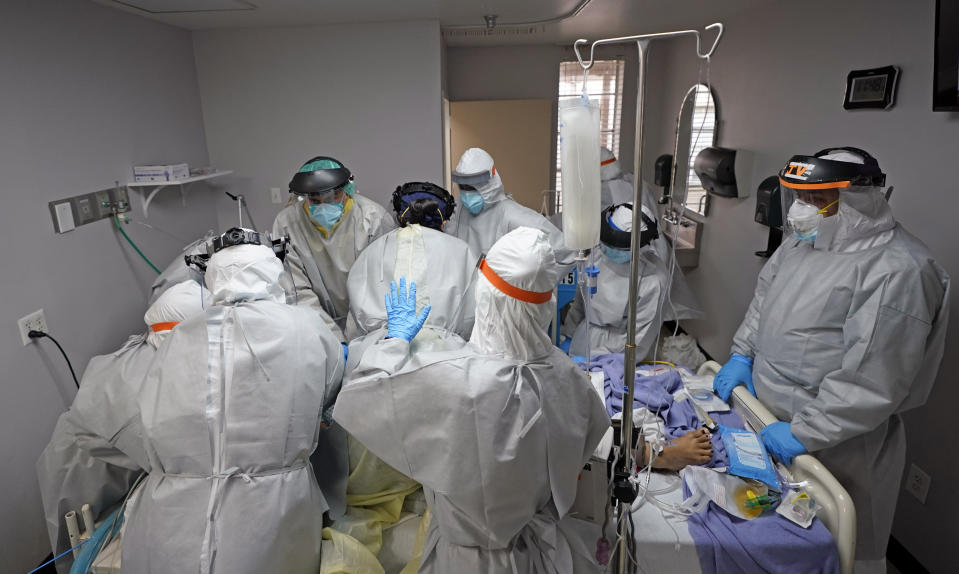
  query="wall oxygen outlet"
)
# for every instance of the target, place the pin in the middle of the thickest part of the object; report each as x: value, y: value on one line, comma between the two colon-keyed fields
x: 917, y: 483
x: 72, y: 212
x: 33, y: 322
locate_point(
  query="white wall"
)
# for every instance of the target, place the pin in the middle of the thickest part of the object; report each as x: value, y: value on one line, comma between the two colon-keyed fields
x: 368, y: 95
x: 779, y: 87
x: 88, y: 92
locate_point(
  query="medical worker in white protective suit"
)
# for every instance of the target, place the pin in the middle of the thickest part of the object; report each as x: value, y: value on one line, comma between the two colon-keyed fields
x: 617, y: 189
x: 844, y: 332
x: 444, y: 269
x: 328, y: 227
x: 177, y: 271
x: 497, y: 431
x: 441, y: 265
x: 609, y: 307
x: 230, y: 415
x: 96, y: 452
x: 489, y: 213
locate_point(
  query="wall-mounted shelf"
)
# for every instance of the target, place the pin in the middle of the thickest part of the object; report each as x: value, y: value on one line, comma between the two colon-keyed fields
x: 159, y: 185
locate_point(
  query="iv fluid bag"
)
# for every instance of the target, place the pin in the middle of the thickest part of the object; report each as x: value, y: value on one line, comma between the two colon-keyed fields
x: 579, y: 146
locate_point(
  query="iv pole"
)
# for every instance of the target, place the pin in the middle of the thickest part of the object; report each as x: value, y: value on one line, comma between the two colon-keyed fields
x: 629, y: 364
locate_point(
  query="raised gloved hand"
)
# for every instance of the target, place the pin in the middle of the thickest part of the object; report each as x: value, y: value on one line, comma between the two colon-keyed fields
x: 738, y: 370
x: 781, y: 442
x: 401, y: 318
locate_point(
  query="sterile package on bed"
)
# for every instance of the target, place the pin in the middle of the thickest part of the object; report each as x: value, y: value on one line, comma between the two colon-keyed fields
x: 748, y: 457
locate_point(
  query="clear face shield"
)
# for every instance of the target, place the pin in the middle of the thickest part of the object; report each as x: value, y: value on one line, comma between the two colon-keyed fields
x: 807, y: 211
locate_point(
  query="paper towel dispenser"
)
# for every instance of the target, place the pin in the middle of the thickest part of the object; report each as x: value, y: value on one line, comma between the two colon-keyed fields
x: 723, y: 171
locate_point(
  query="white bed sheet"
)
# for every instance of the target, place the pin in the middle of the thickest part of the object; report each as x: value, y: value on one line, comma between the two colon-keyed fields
x: 663, y: 542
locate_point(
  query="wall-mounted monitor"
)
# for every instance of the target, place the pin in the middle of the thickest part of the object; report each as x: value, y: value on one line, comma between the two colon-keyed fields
x: 945, y: 81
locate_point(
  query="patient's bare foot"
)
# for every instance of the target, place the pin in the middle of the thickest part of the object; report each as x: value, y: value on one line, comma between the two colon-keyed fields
x: 693, y: 447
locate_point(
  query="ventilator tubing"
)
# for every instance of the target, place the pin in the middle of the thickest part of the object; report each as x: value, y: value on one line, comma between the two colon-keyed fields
x: 579, y: 146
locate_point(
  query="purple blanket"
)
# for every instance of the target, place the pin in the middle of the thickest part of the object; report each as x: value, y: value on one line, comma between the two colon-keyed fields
x: 769, y: 543
x: 656, y: 394
x: 724, y: 543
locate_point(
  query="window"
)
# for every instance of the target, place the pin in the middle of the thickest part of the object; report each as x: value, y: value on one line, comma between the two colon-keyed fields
x: 605, y: 85
x: 702, y: 136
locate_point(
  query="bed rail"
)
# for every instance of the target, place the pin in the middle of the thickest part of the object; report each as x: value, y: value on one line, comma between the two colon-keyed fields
x: 838, y: 513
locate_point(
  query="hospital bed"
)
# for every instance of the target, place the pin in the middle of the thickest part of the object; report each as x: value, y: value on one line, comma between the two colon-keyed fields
x: 663, y: 541
x: 664, y: 544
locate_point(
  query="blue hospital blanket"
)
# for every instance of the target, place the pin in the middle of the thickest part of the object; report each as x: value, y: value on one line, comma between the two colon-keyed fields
x: 724, y: 543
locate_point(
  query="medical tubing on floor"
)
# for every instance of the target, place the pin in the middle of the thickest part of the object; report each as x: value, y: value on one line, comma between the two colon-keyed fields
x: 116, y: 220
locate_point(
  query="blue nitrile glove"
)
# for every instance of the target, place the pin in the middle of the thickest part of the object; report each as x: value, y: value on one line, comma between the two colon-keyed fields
x: 401, y: 318
x: 738, y: 370
x: 346, y: 352
x: 781, y: 442
x: 565, y: 345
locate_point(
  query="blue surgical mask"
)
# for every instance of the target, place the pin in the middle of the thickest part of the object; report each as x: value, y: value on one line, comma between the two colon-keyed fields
x: 472, y: 201
x: 326, y: 215
x: 616, y: 255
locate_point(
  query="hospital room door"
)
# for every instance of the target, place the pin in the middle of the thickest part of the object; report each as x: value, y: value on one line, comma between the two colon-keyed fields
x: 517, y: 133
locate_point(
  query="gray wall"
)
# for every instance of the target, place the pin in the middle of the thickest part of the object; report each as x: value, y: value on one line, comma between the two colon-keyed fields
x: 532, y: 72
x: 369, y: 95
x: 779, y: 88
x: 87, y: 93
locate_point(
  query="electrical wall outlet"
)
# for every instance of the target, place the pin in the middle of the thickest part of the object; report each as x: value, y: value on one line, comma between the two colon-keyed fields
x: 917, y: 483
x: 277, y: 194
x: 33, y: 322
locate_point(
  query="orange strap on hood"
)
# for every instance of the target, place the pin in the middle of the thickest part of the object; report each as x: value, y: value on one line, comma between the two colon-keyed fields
x: 535, y: 297
x: 157, y: 327
x: 607, y: 162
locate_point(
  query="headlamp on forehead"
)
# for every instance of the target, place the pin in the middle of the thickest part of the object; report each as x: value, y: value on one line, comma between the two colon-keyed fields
x: 238, y: 236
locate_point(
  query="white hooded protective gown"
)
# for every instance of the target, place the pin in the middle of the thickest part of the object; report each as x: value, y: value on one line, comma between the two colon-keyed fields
x: 845, y: 335
x: 500, y: 213
x: 443, y: 269
x: 320, y: 265
x: 230, y: 415
x: 496, y: 431
x: 96, y: 451
x: 609, y: 308
x: 441, y: 265
x: 682, y: 303
x: 178, y: 271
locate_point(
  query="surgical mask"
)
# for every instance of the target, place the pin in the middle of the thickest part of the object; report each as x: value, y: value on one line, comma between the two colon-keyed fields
x: 616, y: 255
x: 804, y: 218
x: 472, y: 201
x: 326, y: 215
